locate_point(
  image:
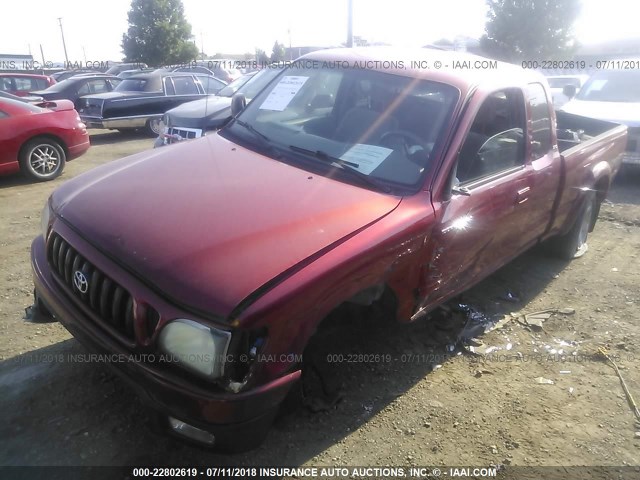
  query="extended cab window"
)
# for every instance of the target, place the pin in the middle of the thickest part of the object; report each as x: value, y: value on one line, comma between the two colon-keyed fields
x: 495, y: 141
x: 540, y: 121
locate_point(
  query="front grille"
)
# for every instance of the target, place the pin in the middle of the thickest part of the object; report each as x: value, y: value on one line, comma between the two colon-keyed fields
x: 108, y: 300
x: 184, y: 133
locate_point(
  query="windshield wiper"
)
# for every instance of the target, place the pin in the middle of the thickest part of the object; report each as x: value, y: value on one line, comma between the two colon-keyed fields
x: 253, y: 130
x: 324, y: 156
x: 363, y: 177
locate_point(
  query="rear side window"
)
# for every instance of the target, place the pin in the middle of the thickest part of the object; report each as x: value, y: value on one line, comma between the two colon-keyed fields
x: 495, y: 142
x: 185, y: 86
x: 25, y: 84
x: 540, y: 121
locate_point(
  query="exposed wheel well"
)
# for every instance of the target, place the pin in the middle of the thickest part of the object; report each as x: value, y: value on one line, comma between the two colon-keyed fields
x: 47, y: 136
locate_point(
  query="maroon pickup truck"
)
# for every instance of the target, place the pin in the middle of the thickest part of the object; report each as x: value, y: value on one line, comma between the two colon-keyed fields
x: 354, y: 175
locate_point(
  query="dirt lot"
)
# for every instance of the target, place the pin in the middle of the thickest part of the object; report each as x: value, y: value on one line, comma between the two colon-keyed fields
x: 426, y: 406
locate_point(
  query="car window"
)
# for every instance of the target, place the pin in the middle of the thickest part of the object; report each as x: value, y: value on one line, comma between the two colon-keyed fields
x: 114, y: 82
x: 495, y: 141
x: 185, y: 86
x: 6, y: 83
x: 209, y: 84
x: 612, y: 86
x: 540, y: 121
x: 132, y: 85
x: 168, y: 86
x: 93, y: 86
x: 25, y: 84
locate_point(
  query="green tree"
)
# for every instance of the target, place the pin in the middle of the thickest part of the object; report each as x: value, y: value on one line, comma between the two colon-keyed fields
x: 158, y: 33
x: 530, y: 29
x: 278, y: 53
x: 261, y: 56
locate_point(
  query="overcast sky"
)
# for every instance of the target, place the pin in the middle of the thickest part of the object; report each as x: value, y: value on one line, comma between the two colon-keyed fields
x: 93, y: 29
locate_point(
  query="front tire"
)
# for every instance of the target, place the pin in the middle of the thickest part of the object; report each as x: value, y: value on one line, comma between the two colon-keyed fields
x: 42, y: 159
x: 574, y: 243
x: 153, y: 128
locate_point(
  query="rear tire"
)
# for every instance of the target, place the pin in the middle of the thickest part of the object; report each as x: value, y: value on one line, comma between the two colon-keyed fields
x: 42, y: 159
x: 573, y: 244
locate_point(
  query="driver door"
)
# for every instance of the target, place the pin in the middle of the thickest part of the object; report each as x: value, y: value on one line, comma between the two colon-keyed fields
x: 490, y: 182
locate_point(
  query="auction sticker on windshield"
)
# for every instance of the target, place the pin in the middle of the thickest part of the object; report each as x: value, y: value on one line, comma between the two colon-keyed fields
x: 368, y: 157
x: 283, y: 93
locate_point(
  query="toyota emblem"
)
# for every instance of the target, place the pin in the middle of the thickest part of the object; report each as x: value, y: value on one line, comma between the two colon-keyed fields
x: 80, y: 281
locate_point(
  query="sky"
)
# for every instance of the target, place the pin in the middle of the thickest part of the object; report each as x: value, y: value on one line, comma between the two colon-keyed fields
x: 93, y: 32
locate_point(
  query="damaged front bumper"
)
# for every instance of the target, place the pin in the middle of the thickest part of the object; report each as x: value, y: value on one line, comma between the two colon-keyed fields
x: 234, y: 421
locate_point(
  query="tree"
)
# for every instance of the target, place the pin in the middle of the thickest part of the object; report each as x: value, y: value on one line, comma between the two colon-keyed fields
x: 278, y: 53
x: 158, y: 33
x: 261, y: 56
x: 530, y: 29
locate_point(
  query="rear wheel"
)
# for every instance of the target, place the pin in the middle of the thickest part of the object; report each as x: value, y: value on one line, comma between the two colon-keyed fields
x: 574, y: 243
x: 42, y: 159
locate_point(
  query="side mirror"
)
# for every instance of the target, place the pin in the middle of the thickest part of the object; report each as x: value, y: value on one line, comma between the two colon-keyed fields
x: 569, y: 91
x: 238, y: 102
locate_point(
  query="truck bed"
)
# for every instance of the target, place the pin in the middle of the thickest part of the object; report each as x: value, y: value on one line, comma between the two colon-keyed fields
x: 575, y: 130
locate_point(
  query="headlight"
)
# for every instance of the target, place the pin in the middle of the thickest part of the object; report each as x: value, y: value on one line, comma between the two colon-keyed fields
x: 44, y: 219
x: 196, y: 347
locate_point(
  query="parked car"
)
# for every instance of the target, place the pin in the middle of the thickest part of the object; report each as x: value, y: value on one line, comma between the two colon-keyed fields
x: 21, y: 84
x: 613, y: 95
x: 64, y: 74
x: 75, y: 87
x: 39, y: 141
x: 224, y: 69
x: 557, y: 84
x: 377, y: 183
x: 121, y: 67
x: 193, y: 119
x: 140, y: 101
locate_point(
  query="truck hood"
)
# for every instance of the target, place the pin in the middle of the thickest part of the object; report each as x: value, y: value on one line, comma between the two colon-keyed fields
x: 210, y: 111
x: 617, y: 112
x: 208, y: 222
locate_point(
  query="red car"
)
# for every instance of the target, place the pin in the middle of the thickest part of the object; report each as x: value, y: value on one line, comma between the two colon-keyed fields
x: 38, y: 141
x: 21, y: 84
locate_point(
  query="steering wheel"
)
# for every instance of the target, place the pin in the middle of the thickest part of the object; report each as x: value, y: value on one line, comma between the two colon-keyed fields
x: 409, y: 139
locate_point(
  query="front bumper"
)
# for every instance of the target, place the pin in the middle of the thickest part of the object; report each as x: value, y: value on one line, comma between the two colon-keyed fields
x: 238, y: 421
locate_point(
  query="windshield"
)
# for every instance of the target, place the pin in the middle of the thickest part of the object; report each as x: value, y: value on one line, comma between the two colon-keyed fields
x: 561, y: 82
x: 233, y: 87
x: 260, y: 80
x: 612, y: 86
x: 382, y: 126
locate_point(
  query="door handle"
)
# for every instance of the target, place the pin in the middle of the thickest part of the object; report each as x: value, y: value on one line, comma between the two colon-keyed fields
x: 522, y: 195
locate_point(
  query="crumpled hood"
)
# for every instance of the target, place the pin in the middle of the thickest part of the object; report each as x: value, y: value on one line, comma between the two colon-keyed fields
x: 208, y: 222
x: 206, y: 112
x: 617, y: 112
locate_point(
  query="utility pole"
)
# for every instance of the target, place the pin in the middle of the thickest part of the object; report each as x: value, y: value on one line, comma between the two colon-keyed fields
x: 64, y: 45
x: 350, y: 24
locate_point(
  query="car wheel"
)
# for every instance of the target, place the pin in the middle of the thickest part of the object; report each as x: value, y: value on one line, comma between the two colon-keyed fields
x: 574, y: 243
x: 154, y: 127
x: 42, y: 159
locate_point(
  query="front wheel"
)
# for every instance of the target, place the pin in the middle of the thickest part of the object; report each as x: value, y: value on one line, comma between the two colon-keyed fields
x: 42, y: 159
x: 574, y: 243
x: 153, y: 128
